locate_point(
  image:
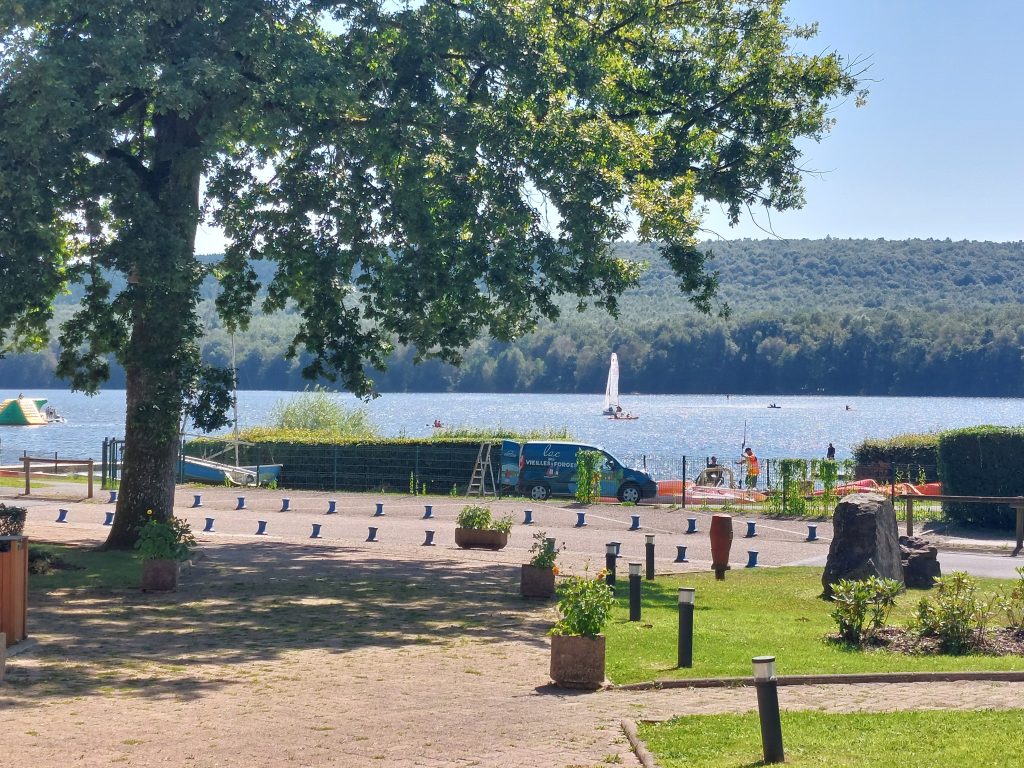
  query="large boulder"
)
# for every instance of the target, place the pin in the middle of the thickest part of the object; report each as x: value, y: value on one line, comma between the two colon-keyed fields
x: 865, y: 541
x: 920, y: 562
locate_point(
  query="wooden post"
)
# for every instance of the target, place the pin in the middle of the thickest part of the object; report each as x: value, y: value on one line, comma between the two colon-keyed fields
x: 90, y: 477
x: 28, y: 484
x: 1020, y: 530
x: 910, y: 516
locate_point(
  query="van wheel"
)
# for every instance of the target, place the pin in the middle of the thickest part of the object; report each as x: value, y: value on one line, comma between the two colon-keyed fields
x: 629, y: 492
x: 539, y: 492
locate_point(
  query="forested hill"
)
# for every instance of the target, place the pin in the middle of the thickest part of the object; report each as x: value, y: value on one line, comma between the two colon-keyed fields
x: 915, y: 317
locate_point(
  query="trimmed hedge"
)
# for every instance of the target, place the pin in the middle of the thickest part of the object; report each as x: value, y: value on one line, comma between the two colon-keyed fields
x: 911, y: 454
x: 982, y: 461
x: 384, y: 464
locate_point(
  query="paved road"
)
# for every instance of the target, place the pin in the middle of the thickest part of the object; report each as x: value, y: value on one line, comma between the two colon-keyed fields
x: 976, y: 564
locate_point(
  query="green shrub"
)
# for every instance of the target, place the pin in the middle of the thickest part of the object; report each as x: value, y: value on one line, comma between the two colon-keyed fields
x: 320, y: 411
x: 479, y: 518
x: 912, y: 452
x: 957, y: 615
x: 862, y: 607
x: 588, y: 476
x: 169, y: 539
x: 982, y: 461
x: 1012, y: 603
x: 12, y: 520
x: 544, y: 553
x: 499, y: 432
x: 585, y: 606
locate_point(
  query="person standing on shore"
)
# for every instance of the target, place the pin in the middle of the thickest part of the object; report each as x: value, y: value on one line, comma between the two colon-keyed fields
x: 752, y: 467
x: 830, y: 454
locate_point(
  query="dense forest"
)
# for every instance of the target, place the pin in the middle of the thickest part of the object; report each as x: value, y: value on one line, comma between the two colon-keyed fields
x: 871, y: 317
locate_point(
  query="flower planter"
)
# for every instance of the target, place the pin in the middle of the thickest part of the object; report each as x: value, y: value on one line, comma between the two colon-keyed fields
x: 577, y: 661
x: 536, y: 582
x: 473, y: 538
x: 159, y: 575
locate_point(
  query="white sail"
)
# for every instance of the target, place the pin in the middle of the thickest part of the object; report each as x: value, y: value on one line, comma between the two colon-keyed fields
x: 611, y: 390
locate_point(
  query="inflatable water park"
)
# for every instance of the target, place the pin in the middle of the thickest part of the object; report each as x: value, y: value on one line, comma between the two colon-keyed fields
x: 27, y: 412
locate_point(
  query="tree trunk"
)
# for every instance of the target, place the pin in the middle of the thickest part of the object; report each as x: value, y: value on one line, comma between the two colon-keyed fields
x: 162, y: 351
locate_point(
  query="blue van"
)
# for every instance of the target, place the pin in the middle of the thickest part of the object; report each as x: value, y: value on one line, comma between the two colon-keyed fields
x: 540, y: 469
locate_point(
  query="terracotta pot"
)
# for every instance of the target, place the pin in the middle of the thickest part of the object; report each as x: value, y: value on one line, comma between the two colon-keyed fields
x: 473, y: 538
x: 159, y: 575
x: 577, y: 661
x: 721, y: 542
x: 536, y: 582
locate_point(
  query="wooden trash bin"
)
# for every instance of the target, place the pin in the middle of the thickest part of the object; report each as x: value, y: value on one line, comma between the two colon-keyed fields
x: 14, y: 587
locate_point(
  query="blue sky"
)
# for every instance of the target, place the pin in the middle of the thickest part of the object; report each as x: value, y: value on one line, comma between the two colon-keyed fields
x: 935, y: 153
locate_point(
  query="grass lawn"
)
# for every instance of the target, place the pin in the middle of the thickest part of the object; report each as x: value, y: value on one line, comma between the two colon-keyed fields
x: 758, y: 612
x: 905, y: 739
x: 88, y: 569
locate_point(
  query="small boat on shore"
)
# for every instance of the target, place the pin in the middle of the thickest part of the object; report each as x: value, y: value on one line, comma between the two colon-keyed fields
x: 195, y: 470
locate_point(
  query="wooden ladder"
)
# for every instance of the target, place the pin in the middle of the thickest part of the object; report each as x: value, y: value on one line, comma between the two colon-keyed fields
x: 482, y: 470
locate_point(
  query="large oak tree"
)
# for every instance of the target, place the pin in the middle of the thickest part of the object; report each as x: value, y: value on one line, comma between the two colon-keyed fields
x: 420, y: 173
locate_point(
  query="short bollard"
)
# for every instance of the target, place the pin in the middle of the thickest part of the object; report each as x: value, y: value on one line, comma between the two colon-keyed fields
x: 428, y: 511
x: 332, y: 506
x: 208, y: 528
x: 261, y: 527
x: 62, y: 516
x: 581, y: 520
x: 751, y: 529
x: 812, y: 532
x: 649, y: 551
x: 113, y: 497
x: 691, y: 525
x: 686, y: 600
x: 751, y: 558
x: 635, y: 525
x: 109, y: 519
x: 527, y: 517
x: 316, y: 531
x: 429, y: 540
x: 373, y: 534
x: 768, y: 708
x: 286, y: 504
x: 379, y: 511
x: 241, y: 503
x: 634, y: 591
x: 681, y: 553
x: 609, y: 563
x: 618, y: 546
x: 197, y: 500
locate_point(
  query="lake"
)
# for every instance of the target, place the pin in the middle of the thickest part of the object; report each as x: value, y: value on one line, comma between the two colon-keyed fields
x: 669, y: 425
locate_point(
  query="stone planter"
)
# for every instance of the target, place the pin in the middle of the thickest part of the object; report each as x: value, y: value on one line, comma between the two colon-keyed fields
x: 577, y: 661
x: 159, y: 575
x: 473, y: 538
x: 536, y: 582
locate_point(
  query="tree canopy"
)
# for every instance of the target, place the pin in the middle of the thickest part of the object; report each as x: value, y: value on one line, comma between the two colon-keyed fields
x: 418, y: 173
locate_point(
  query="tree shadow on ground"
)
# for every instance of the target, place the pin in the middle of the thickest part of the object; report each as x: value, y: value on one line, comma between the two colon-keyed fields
x: 248, y: 603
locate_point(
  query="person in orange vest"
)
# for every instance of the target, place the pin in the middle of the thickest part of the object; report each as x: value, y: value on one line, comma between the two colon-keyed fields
x: 753, y: 468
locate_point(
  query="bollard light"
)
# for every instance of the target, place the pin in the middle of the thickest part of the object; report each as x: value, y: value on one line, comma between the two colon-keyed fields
x: 649, y: 552
x: 634, y: 591
x: 609, y: 563
x: 687, y: 596
x: 768, y: 708
x: 618, y: 548
x: 549, y: 544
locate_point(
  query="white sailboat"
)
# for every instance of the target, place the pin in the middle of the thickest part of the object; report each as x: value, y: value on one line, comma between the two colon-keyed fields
x: 611, y: 390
